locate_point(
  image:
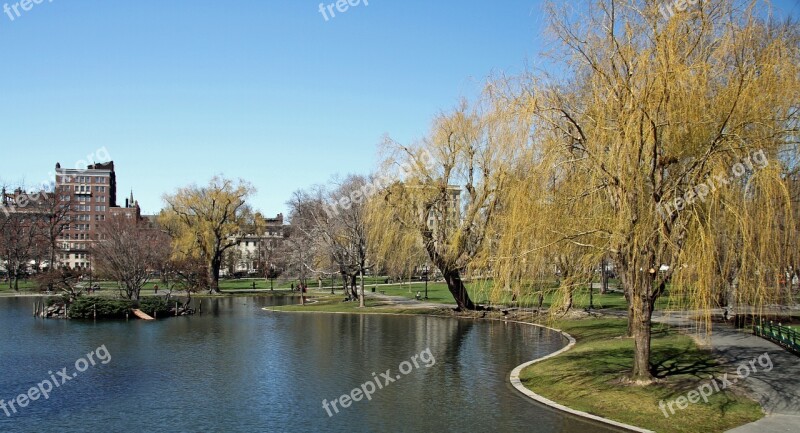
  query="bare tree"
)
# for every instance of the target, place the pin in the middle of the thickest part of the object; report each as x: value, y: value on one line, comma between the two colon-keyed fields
x: 18, y: 241
x: 129, y: 251
x: 188, y: 274
x: 303, y: 246
x: 341, y: 224
x: 63, y: 280
x: 269, y: 254
x: 56, y: 210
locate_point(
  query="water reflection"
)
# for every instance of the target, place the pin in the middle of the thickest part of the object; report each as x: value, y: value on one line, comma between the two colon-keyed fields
x: 239, y: 368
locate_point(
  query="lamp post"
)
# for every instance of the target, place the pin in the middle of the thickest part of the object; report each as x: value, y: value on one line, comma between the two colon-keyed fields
x: 426, y: 269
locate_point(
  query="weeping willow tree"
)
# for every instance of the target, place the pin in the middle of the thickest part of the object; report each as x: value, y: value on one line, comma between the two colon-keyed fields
x: 547, y: 239
x: 646, y: 110
x: 747, y: 232
x: 445, y: 197
x: 206, y: 221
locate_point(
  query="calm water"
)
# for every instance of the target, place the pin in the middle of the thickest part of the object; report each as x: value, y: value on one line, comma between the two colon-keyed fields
x: 239, y: 368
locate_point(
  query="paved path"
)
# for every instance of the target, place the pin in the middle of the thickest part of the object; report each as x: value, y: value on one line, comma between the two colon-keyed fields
x: 778, y: 391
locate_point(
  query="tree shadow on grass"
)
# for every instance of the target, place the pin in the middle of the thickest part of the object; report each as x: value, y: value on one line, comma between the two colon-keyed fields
x: 682, y: 361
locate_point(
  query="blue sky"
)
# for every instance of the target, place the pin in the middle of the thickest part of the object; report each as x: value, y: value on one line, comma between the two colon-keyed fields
x: 178, y: 91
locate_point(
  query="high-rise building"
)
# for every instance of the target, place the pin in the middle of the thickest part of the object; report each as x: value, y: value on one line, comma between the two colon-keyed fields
x: 92, y: 197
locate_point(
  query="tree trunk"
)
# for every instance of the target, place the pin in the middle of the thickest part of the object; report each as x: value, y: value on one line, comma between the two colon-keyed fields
x: 642, y: 324
x: 641, y: 295
x: 353, y: 287
x: 16, y: 280
x: 52, y: 267
x: 629, y: 333
x: 626, y: 291
x: 568, y: 301
x: 134, y: 293
x: 302, y: 290
x: 458, y: 290
x: 213, y: 275
x: 361, y: 303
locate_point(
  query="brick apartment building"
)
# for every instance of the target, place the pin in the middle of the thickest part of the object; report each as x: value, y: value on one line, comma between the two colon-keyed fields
x: 92, y: 197
x: 83, y: 200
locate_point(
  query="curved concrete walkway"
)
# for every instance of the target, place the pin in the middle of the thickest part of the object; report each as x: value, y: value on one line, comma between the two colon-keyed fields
x: 778, y: 391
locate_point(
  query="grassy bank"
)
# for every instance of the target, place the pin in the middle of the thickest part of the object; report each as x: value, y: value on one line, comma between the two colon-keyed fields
x: 589, y: 378
x: 327, y: 303
x: 481, y: 291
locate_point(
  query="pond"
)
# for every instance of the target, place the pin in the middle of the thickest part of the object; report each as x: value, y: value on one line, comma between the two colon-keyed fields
x: 240, y: 368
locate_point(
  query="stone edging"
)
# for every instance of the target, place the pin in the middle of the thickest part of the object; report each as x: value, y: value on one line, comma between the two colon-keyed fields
x: 517, y: 383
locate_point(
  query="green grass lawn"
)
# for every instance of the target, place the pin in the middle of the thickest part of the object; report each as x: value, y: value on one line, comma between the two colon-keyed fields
x: 327, y: 303
x: 24, y: 286
x: 260, y: 283
x: 481, y: 293
x: 589, y: 378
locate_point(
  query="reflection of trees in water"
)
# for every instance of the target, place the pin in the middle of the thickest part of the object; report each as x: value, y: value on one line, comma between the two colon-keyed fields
x: 338, y: 352
x: 280, y: 361
x: 471, y: 358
